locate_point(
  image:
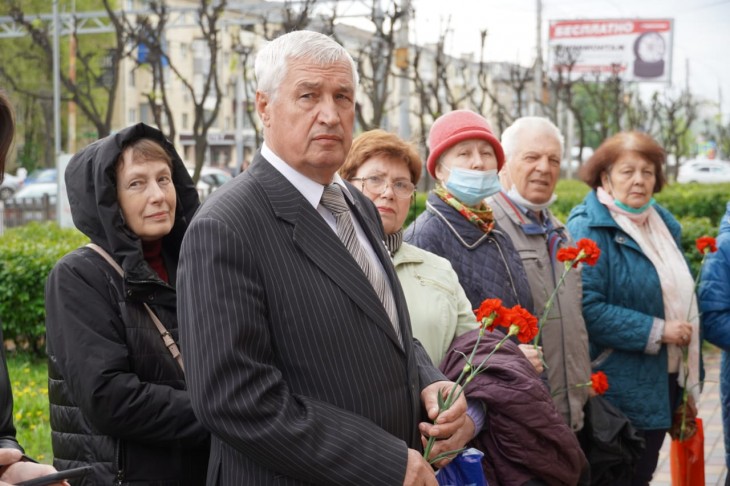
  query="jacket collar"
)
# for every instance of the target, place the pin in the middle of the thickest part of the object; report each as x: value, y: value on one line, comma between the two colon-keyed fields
x: 407, y: 254
x: 465, y: 233
x: 518, y: 217
x: 725, y: 224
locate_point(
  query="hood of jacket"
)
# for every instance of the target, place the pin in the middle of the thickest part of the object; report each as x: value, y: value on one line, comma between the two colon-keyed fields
x: 92, y: 194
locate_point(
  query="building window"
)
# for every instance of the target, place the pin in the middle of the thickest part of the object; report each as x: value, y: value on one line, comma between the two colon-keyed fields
x: 131, y: 78
x: 132, y: 116
x: 185, y: 121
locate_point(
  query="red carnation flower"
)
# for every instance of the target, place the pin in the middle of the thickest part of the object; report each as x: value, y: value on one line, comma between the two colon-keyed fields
x: 590, y: 250
x: 599, y: 382
x: 526, y: 322
x: 490, y: 309
x: 585, y: 250
x: 568, y: 254
x: 705, y: 242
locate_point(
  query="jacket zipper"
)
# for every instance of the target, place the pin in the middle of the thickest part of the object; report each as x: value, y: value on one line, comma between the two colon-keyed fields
x: 119, y: 480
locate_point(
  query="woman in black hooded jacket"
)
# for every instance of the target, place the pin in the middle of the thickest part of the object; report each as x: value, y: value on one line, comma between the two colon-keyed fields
x: 118, y: 397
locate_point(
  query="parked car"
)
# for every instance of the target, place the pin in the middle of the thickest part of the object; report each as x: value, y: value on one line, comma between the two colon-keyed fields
x: 704, y: 170
x: 37, y: 191
x: 9, y: 185
x: 30, y: 204
x: 41, y: 175
x: 211, y: 179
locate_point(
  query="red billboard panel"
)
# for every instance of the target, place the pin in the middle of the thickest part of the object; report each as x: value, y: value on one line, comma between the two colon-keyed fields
x: 634, y: 49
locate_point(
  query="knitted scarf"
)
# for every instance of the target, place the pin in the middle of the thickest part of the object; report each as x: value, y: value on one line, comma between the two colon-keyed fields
x: 480, y: 217
x: 393, y: 241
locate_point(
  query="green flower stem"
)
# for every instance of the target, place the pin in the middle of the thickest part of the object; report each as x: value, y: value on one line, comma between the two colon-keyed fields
x: 551, y: 301
x: 685, y: 351
x: 685, y: 390
x: 446, y: 454
x: 470, y: 372
x: 697, y: 281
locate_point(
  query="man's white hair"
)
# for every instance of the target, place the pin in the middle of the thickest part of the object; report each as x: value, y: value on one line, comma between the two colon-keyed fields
x: 272, y: 60
x: 529, y: 124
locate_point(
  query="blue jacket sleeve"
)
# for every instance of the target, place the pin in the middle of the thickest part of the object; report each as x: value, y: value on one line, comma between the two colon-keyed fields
x: 714, y: 295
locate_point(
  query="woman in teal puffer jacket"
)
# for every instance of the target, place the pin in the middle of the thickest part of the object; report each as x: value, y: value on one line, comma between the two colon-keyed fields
x: 636, y: 299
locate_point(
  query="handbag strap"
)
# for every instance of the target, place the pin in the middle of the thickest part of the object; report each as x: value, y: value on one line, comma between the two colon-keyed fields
x: 164, y: 334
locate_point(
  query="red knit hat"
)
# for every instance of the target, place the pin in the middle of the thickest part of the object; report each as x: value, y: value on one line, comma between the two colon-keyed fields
x: 455, y: 127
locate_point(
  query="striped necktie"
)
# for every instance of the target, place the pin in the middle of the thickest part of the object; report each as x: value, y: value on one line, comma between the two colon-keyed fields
x: 334, y: 200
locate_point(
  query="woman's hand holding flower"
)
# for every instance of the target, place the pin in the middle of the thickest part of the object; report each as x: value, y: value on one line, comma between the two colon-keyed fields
x: 677, y: 332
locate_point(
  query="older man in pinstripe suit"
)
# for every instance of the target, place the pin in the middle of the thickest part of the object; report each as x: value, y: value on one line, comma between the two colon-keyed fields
x: 293, y: 361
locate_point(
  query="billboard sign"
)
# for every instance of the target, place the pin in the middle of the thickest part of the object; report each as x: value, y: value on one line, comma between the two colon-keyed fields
x: 634, y: 49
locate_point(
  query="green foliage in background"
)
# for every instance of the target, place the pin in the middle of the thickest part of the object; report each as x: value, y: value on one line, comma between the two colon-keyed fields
x: 696, y: 200
x: 417, y: 207
x: 29, y: 379
x: 27, y: 255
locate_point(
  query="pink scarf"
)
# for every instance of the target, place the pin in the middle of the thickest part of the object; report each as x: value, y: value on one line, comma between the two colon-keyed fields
x: 607, y: 200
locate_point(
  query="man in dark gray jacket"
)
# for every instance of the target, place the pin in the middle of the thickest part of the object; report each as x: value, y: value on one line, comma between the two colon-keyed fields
x: 533, y: 149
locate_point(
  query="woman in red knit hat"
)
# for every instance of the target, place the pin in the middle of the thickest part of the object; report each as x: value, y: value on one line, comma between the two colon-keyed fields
x: 458, y: 225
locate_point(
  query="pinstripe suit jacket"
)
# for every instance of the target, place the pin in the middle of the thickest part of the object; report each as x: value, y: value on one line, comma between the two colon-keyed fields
x: 291, y: 359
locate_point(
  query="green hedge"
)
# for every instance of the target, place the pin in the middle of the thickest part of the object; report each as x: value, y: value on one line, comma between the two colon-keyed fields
x: 27, y: 255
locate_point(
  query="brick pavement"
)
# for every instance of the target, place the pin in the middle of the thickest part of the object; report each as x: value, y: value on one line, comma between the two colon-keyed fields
x: 709, y: 411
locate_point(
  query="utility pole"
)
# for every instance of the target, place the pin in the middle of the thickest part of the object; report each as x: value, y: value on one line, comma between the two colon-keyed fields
x: 57, y: 108
x: 536, y: 108
x: 380, y: 71
x: 71, y: 135
x: 719, y: 102
x: 239, y: 113
x: 403, y: 62
x: 56, y: 82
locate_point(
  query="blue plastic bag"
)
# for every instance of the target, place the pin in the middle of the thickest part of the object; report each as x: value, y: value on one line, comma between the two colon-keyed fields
x: 464, y: 470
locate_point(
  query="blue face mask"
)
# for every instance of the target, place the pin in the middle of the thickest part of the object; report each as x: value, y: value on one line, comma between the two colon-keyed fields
x: 631, y: 210
x: 472, y: 186
x: 628, y: 208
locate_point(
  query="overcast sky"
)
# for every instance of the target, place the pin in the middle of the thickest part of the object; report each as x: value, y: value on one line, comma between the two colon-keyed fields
x: 701, y: 32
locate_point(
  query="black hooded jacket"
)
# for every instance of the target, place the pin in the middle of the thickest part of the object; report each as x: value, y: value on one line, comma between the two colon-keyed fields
x: 118, y: 398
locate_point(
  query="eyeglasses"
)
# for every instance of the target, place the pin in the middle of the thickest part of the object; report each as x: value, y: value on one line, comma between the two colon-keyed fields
x: 378, y: 185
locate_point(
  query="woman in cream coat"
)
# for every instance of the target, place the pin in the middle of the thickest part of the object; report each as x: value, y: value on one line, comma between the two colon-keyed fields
x: 386, y: 169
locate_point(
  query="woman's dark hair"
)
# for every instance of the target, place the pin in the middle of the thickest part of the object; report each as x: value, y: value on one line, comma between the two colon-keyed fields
x: 7, y: 130
x: 614, y: 147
